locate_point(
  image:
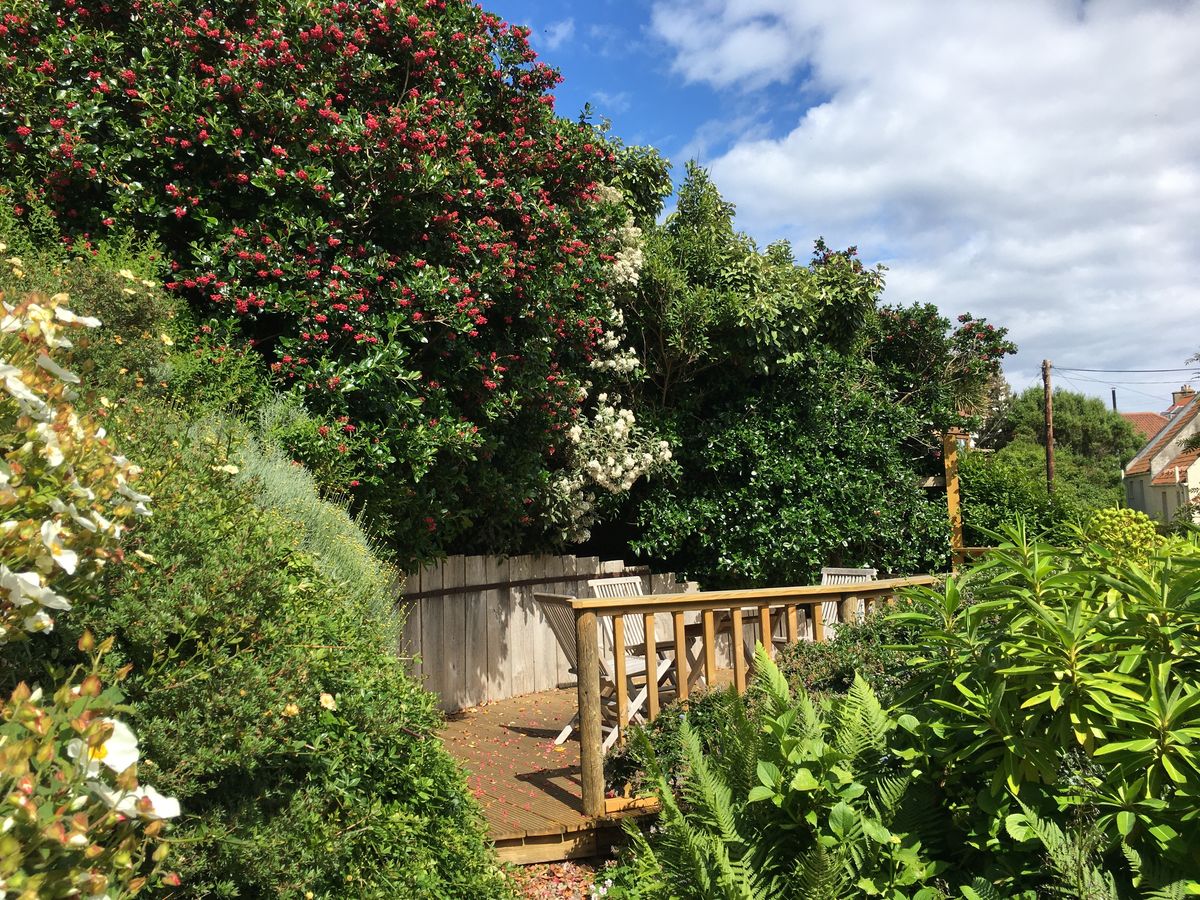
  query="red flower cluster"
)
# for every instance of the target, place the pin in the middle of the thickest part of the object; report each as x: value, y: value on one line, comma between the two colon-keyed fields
x: 383, y: 192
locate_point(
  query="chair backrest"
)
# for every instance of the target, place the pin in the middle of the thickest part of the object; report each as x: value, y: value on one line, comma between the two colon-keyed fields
x: 616, y: 587
x: 847, y: 576
x: 562, y: 623
x: 635, y: 626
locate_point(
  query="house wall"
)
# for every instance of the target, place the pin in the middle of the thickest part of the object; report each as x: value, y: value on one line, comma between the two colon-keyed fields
x: 1191, y: 488
x: 1139, y: 494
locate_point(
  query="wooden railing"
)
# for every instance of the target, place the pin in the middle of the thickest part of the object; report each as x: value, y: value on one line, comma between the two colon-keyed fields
x: 694, y: 647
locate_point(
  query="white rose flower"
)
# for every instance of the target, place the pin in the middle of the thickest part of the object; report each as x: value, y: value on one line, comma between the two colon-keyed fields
x: 56, y: 370
x: 65, y: 315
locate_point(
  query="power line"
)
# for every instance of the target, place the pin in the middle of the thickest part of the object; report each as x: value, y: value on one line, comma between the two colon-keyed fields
x: 1135, y: 371
x: 1110, y: 381
x: 1075, y: 384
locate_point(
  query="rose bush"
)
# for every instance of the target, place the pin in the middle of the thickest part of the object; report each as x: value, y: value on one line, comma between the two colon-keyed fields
x: 379, y: 193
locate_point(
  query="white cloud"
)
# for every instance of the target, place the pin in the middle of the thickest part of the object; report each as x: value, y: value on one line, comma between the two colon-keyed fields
x: 558, y: 33
x: 608, y: 103
x: 1036, y: 162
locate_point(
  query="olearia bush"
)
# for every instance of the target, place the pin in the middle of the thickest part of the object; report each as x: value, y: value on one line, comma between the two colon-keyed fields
x: 75, y: 820
x: 379, y: 194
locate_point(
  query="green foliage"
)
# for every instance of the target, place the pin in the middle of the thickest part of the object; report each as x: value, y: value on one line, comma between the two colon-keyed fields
x: 711, y: 314
x: 75, y: 816
x: 266, y: 688
x: 813, y: 471
x: 148, y: 341
x: 945, y: 372
x: 867, y: 649
x: 997, y: 489
x: 801, y: 417
x: 1083, y: 425
x: 1091, y: 445
x: 791, y: 800
x: 1066, y: 688
x: 390, y: 209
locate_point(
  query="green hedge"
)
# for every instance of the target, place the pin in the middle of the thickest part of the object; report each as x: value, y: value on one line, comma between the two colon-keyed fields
x: 271, y: 700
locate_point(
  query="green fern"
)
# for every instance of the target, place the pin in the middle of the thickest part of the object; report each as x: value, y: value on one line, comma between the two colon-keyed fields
x: 785, y: 800
x: 1072, y: 857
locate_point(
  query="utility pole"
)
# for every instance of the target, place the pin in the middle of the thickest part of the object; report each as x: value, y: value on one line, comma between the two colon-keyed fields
x: 1114, y: 390
x: 1049, y: 405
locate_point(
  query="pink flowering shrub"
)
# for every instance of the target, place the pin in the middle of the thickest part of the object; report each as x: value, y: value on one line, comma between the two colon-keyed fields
x: 380, y: 193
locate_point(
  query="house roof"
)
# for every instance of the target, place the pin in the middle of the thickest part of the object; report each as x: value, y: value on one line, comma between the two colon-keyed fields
x: 1140, y: 464
x: 1176, y: 469
x: 1146, y: 424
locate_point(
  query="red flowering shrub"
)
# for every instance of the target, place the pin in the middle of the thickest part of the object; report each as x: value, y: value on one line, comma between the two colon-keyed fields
x: 379, y: 191
x: 932, y: 366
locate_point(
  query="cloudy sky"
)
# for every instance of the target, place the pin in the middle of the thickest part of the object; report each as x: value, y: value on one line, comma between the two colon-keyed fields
x: 1033, y: 161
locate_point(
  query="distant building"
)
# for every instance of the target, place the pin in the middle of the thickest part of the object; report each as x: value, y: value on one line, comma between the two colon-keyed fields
x: 1146, y: 424
x: 1164, y: 477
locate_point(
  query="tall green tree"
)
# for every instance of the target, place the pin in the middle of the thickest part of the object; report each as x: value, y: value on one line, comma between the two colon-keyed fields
x: 1083, y: 425
x: 801, y: 414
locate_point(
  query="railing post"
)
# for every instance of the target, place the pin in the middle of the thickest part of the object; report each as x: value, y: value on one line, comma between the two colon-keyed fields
x: 591, y: 756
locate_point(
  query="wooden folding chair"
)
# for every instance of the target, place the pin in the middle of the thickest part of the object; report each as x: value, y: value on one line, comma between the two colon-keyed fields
x: 637, y: 689
x: 829, y: 609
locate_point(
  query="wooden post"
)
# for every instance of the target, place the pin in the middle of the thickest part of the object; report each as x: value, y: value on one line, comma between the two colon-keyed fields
x: 953, y: 498
x: 591, y: 756
x: 764, y: 627
x: 818, y: 620
x: 710, y: 647
x: 739, y: 650
x: 793, y: 626
x: 648, y: 623
x: 848, y: 608
x: 1048, y: 397
x: 682, y: 668
x: 619, y: 674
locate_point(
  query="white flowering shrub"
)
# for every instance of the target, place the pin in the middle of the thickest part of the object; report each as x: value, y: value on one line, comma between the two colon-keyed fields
x: 610, y: 452
x: 74, y: 821
x: 626, y: 259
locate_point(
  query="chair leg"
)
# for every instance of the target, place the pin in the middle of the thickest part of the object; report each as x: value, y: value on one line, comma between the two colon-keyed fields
x: 566, y: 732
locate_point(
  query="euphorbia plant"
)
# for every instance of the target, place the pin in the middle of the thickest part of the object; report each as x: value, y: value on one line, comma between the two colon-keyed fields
x: 381, y: 193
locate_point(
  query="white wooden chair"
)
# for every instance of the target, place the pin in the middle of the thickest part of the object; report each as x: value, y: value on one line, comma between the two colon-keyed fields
x: 562, y: 623
x: 835, y: 576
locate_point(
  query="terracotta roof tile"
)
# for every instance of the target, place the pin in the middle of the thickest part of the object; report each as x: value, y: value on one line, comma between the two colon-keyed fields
x: 1176, y: 469
x: 1141, y: 463
x: 1147, y: 424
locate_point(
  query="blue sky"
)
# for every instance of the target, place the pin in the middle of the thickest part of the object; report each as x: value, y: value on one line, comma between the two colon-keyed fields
x: 612, y: 57
x: 1033, y: 161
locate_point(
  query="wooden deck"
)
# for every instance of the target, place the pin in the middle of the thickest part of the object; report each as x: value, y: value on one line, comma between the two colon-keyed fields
x: 529, y: 789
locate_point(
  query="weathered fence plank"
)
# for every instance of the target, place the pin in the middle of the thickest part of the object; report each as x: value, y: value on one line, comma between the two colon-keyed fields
x: 475, y: 634
x: 475, y: 647
x: 498, y: 611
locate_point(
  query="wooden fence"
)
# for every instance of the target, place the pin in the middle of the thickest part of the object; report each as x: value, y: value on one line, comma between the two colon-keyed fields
x: 475, y: 634
x: 773, y: 610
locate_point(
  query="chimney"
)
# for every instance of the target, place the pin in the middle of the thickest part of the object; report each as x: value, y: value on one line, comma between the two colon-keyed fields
x: 1183, y: 395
